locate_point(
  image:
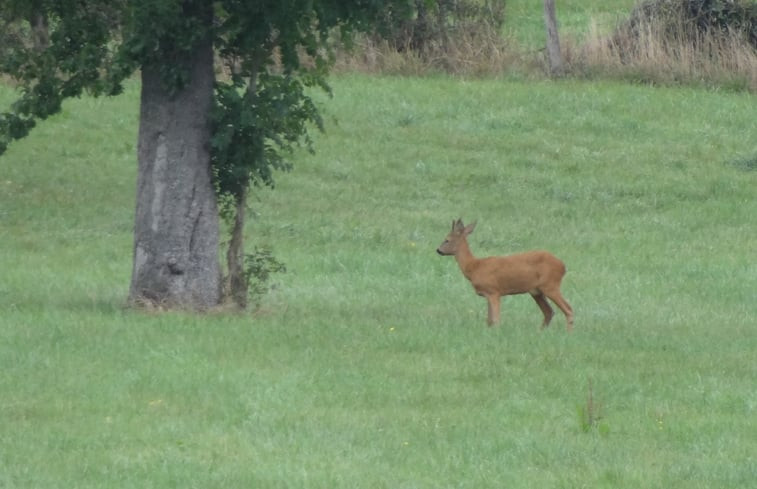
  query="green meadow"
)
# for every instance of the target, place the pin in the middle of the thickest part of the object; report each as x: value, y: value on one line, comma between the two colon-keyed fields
x: 369, y: 364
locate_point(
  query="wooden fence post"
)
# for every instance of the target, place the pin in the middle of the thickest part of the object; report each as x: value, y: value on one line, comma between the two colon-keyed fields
x: 553, y: 39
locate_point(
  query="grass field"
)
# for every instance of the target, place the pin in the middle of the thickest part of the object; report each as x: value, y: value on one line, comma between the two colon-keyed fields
x: 370, y: 364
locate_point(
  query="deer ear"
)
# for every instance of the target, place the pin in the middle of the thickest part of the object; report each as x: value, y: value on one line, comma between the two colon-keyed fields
x: 469, y: 228
x: 458, y: 225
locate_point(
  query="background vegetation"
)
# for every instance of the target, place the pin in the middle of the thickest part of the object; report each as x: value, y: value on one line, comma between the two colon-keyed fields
x: 369, y: 364
x: 691, y: 42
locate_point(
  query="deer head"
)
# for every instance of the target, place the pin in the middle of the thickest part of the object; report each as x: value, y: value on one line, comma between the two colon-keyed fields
x: 456, y: 236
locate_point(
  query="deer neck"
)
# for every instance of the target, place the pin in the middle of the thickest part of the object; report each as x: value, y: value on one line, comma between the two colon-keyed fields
x: 465, y: 258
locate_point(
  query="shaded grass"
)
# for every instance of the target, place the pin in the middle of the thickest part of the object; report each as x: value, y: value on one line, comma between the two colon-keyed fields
x: 370, y: 364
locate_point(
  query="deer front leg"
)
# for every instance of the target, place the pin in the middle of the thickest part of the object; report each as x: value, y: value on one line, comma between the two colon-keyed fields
x: 493, y: 316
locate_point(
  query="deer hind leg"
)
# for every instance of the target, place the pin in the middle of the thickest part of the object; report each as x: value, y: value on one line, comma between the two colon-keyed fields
x: 546, y: 309
x: 556, y: 297
x: 493, y: 316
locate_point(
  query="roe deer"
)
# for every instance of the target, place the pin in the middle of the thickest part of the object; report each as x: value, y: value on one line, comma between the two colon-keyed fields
x: 538, y: 273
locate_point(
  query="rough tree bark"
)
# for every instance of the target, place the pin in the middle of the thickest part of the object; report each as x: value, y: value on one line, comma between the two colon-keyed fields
x: 556, y: 66
x: 176, y: 233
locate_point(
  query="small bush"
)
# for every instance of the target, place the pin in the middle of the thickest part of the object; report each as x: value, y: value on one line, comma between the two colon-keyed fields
x: 259, y: 265
x: 590, y: 414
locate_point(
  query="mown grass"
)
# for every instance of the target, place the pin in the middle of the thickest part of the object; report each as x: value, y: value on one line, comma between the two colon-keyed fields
x: 370, y: 364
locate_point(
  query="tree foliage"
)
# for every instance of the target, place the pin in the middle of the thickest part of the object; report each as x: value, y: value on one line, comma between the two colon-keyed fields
x: 254, y: 129
x: 75, y: 60
x: 262, y: 110
x: 96, y: 44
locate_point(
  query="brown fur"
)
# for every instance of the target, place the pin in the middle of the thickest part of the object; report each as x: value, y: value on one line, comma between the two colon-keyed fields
x: 538, y: 273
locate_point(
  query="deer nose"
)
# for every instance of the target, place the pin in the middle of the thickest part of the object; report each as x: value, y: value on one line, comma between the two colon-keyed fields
x: 439, y: 251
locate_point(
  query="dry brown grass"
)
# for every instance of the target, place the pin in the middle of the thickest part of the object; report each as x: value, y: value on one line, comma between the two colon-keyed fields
x: 649, y: 55
x: 480, y: 52
x: 659, y: 52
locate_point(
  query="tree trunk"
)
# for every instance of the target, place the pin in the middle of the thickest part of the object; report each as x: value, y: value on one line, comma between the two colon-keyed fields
x: 237, y: 286
x: 40, y: 30
x: 176, y: 263
x: 553, y: 39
